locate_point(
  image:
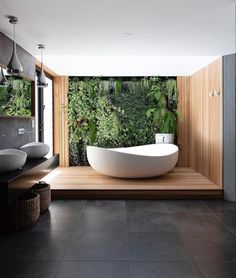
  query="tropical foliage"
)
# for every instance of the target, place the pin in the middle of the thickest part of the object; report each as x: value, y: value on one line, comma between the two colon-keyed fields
x: 163, y: 112
x: 115, y: 112
x: 15, y: 99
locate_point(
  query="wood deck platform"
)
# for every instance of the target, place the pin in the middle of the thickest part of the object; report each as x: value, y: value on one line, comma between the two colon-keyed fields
x: 85, y: 182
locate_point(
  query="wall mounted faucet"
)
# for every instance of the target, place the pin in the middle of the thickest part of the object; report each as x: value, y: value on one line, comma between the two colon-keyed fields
x: 214, y: 93
x: 21, y: 131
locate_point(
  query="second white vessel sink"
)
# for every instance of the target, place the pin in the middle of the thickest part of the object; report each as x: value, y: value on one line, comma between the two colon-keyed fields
x: 11, y: 159
x: 35, y: 149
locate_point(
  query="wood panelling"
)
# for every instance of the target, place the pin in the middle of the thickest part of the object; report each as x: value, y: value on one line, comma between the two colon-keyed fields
x: 61, y: 119
x: 183, y: 83
x: 85, y: 178
x: 56, y: 107
x: 47, y: 70
x: 56, y: 115
x: 60, y: 123
x: 206, y: 122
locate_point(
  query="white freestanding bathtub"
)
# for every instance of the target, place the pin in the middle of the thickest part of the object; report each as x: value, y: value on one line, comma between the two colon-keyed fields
x: 133, y: 162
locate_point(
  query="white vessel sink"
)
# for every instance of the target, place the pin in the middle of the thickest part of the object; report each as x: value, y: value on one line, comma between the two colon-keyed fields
x: 35, y: 149
x: 11, y: 159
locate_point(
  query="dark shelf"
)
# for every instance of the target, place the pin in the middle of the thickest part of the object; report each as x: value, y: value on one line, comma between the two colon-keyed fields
x: 14, y: 183
x: 30, y: 163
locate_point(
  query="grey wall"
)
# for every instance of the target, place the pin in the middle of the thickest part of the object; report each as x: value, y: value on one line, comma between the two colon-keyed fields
x: 26, y: 59
x: 229, y: 127
x: 9, y: 137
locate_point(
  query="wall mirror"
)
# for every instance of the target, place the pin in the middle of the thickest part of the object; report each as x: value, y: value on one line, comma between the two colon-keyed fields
x: 15, y: 98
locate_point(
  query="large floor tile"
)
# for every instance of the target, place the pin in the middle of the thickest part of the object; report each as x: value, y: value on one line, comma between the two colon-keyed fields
x: 157, y: 246
x: 60, y: 223
x: 229, y: 219
x: 143, y: 208
x: 103, y: 215
x: 66, y: 208
x: 33, y: 246
x: 187, y: 206
x: 208, y: 249
x: 222, y: 236
x: 102, y: 221
x: 90, y: 239
x: 164, y: 270
x: 221, y: 206
x: 216, y: 269
x: 101, y: 206
x: 98, y: 246
x: 6, y: 240
x: 196, y: 223
x: 37, y: 269
x: 93, y: 270
x: 151, y: 223
x: 61, y: 216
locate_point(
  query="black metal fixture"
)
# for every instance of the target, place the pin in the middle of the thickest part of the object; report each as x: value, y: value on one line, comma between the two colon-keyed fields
x: 14, y: 67
x: 3, y: 79
x: 42, y: 81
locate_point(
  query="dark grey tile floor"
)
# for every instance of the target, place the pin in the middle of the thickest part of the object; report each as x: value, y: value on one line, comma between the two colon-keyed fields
x: 125, y: 239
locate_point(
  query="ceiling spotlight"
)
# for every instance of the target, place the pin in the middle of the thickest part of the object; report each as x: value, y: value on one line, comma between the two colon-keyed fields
x: 42, y: 81
x: 14, y: 67
x: 127, y: 34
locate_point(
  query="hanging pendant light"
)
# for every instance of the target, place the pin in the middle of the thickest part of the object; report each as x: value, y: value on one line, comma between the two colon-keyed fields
x: 3, y: 80
x: 14, y: 67
x: 42, y: 81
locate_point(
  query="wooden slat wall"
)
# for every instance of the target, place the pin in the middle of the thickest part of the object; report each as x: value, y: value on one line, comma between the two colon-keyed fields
x: 56, y: 123
x: 61, y: 144
x: 206, y: 122
x: 183, y: 83
x: 56, y: 92
x: 60, y: 124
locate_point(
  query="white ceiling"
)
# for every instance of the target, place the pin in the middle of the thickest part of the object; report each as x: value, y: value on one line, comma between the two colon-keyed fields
x: 75, y: 30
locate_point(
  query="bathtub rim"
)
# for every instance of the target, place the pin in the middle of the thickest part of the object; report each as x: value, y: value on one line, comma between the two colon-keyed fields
x: 140, y: 155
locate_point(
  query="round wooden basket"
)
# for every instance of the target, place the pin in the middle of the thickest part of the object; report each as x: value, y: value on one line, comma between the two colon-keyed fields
x: 44, y: 191
x: 27, y: 209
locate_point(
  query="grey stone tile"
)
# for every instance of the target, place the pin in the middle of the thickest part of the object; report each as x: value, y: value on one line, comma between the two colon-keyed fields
x: 164, y: 270
x: 222, y: 236
x: 33, y: 246
x: 164, y: 237
x: 6, y: 240
x: 229, y: 220
x: 216, y: 269
x: 60, y: 223
x: 101, y: 206
x: 221, y: 206
x: 98, y: 246
x: 67, y: 208
x: 103, y: 215
x: 93, y: 270
x: 145, y: 207
x: 151, y: 223
x: 214, y: 250
x: 29, y: 270
x: 101, y: 221
x: 187, y: 206
x: 157, y: 246
x: 187, y: 223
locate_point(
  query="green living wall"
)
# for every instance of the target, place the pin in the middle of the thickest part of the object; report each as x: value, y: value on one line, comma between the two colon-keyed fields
x: 15, y: 99
x: 118, y: 112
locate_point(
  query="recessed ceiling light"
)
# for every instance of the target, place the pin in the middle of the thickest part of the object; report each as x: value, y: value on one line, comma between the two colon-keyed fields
x: 127, y: 34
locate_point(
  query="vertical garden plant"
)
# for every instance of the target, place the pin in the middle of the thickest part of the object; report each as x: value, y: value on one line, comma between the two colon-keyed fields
x: 116, y: 112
